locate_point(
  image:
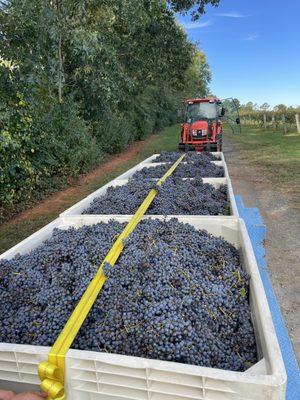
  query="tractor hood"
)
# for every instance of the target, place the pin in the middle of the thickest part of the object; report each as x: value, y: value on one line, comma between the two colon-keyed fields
x: 199, y: 125
x: 199, y: 129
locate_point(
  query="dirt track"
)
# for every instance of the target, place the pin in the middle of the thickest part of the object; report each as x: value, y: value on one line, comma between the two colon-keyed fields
x: 283, y: 230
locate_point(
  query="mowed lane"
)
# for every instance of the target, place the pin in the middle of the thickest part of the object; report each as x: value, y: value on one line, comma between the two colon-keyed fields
x: 282, y: 218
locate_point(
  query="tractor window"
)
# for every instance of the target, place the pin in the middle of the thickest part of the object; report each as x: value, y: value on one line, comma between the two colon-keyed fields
x: 203, y: 110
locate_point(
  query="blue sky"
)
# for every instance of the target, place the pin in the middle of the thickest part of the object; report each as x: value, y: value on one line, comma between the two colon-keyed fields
x: 253, y: 49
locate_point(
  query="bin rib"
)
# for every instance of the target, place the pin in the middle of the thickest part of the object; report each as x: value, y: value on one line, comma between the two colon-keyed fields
x: 51, y: 372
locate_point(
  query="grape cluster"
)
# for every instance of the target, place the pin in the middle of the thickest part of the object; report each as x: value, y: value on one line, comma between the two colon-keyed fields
x: 175, y: 196
x: 39, y: 290
x: 172, y: 156
x: 175, y: 294
x: 199, y: 168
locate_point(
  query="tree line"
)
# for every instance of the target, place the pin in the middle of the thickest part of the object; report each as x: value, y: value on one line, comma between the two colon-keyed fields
x: 83, y: 78
x: 279, y: 116
x: 251, y: 107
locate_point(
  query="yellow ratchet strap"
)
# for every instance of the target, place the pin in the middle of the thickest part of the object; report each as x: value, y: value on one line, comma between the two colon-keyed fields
x: 51, y: 372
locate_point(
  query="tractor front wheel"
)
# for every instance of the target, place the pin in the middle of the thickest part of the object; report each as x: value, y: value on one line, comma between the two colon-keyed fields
x: 181, y: 147
x: 186, y: 147
x: 219, y: 142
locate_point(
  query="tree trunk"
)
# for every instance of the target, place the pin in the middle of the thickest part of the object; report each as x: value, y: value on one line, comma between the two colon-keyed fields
x: 60, y: 53
x: 60, y: 71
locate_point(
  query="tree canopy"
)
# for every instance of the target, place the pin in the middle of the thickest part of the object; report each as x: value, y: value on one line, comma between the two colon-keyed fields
x: 197, y: 7
x: 82, y: 78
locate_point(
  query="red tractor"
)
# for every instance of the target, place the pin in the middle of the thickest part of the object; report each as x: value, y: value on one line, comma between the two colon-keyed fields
x: 202, y: 129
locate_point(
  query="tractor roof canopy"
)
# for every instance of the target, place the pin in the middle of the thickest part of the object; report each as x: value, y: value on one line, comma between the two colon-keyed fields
x: 206, y: 100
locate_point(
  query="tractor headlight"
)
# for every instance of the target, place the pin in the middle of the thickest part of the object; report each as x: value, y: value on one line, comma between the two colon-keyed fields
x: 199, y: 132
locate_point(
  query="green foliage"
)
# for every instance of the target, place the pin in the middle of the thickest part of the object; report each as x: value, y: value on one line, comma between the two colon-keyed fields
x: 63, y: 141
x: 40, y: 149
x: 16, y: 170
x: 197, y: 6
x: 113, y: 133
x: 80, y: 79
x: 197, y: 77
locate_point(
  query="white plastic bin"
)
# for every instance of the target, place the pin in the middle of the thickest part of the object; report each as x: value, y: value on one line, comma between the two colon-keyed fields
x: 79, y: 207
x: 218, y: 154
x: 142, y: 165
x: 151, y: 159
x: 102, y: 376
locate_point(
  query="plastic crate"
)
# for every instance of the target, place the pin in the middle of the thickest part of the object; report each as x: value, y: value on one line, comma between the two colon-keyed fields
x: 102, y: 376
x: 122, y: 179
x: 218, y: 154
x: 148, y: 161
x: 144, y: 164
x: 78, y: 208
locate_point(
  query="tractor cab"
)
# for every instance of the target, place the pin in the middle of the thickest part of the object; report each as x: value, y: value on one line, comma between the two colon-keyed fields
x: 202, y: 109
x: 202, y: 128
x: 202, y: 113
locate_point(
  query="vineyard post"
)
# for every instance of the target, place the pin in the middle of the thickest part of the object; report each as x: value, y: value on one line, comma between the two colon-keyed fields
x: 273, y: 121
x: 297, y: 122
x: 284, y: 124
x: 265, y: 121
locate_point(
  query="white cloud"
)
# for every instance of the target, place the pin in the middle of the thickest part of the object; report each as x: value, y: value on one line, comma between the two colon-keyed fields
x: 232, y: 14
x: 251, y: 37
x: 196, y: 25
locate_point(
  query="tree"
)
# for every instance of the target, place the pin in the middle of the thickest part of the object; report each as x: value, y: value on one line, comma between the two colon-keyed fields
x: 249, y: 107
x: 264, y: 107
x: 237, y: 102
x: 280, y: 108
x: 197, y: 77
x: 198, y: 6
x: 79, y: 78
